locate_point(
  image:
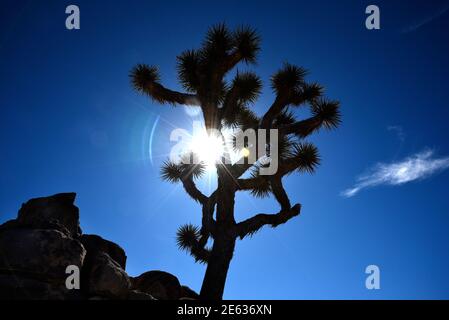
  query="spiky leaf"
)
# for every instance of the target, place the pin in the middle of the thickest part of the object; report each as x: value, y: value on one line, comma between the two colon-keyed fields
x: 188, y: 70
x: 247, y: 119
x: 306, y: 157
x: 188, y: 239
x: 328, y: 112
x: 187, y: 236
x: 312, y: 91
x: 286, y: 117
x: 142, y: 76
x: 247, y: 86
x: 263, y: 187
x: 171, y: 172
x: 247, y: 41
x: 307, y: 93
x: 289, y: 78
x: 217, y: 44
x: 192, y: 168
x: 286, y: 147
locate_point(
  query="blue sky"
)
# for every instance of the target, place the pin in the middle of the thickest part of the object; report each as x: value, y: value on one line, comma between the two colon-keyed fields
x: 71, y: 122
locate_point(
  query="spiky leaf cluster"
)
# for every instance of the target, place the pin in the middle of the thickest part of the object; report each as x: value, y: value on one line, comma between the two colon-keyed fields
x: 328, y: 112
x: 263, y: 188
x: 247, y: 86
x: 188, y: 239
x: 306, y: 157
x: 176, y: 172
x: 142, y: 76
x: 289, y: 78
x: 200, y: 69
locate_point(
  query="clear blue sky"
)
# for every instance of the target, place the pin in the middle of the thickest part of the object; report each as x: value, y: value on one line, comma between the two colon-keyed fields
x: 69, y: 121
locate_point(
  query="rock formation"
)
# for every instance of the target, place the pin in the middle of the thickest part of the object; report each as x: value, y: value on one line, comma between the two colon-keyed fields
x: 46, y: 238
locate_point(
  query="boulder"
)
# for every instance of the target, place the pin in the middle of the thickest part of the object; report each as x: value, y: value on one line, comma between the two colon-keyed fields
x: 16, y: 287
x: 95, y: 244
x: 161, y: 285
x: 186, y: 292
x: 54, y: 212
x: 39, y: 253
x: 98, y: 298
x: 38, y: 246
x: 105, y: 277
x: 10, y: 224
x: 137, y: 295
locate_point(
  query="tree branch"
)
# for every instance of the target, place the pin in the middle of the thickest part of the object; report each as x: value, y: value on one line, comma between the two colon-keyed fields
x: 252, y: 225
x: 145, y: 79
x: 193, y: 239
x: 237, y: 169
x: 188, y: 238
x: 200, y: 253
x: 325, y: 113
x: 279, y: 192
x: 302, y: 128
x: 207, y: 221
x: 287, y: 166
x: 230, y: 102
x: 193, y: 191
x: 247, y: 184
x: 163, y: 95
x: 276, y: 108
x: 291, y: 95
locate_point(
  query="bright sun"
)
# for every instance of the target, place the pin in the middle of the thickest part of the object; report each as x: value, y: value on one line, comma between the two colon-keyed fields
x: 208, y: 148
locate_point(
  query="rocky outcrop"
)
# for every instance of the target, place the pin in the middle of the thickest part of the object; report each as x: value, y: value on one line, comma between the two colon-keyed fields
x: 55, y: 212
x: 106, y: 278
x: 95, y: 244
x: 138, y: 295
x: 41, y: 253
x: 46, y: 238
x: 188, y: 293
x: 159, y: 284
x: 20, y: 287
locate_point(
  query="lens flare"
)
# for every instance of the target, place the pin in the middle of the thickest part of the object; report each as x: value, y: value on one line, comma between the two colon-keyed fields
x: 245, y: 152
x: 208, y: 148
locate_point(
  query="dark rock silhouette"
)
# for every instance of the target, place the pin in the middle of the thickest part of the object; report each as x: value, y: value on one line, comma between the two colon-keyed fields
x: 187, y: 293
x: 95, y: 244
x: 106, y: 277
x: 38, y: 246
x: 55, y: 212
x: 160, y: 284
x: 45, y: 254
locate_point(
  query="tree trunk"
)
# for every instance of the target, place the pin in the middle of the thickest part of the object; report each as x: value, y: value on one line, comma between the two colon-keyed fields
x: 224, y: 239
x: 217, y: 268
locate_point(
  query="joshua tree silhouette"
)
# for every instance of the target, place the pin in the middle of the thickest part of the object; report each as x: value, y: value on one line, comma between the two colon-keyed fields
x: 202, y: 73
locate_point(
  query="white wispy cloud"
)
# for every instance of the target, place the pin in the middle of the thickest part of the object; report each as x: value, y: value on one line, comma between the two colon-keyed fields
x: 418, y: 166
x: 426, y: 20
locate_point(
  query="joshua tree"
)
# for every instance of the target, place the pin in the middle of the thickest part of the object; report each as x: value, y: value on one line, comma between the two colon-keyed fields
x: 225, y: 104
